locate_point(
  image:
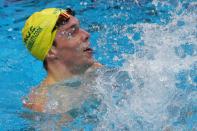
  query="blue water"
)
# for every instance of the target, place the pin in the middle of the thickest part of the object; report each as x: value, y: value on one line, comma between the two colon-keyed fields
x: 151, y: 44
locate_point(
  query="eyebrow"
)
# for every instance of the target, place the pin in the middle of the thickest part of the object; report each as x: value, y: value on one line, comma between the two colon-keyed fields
x: 73, y: 25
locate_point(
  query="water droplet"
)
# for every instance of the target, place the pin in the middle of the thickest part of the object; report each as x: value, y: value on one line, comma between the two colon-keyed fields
x: 10, y: 29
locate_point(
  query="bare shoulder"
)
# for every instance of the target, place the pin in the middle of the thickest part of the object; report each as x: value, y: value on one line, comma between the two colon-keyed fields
x: 36, y: 99
x: 97, y: 65
x: 93, y: 67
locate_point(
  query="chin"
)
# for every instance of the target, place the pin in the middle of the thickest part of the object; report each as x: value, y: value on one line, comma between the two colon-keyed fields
x: 80, y: 68
x: 90, y: 62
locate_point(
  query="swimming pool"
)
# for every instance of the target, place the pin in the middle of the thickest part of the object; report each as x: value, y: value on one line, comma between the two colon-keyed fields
x: 151, y: 42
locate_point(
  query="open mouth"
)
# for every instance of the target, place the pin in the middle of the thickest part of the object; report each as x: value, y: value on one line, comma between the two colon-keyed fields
x: 88, y: 50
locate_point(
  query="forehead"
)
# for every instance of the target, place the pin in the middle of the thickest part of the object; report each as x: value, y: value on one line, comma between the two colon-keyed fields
x: 71, y: 22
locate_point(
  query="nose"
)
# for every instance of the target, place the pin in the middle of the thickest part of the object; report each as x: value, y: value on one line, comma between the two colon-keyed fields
x: 85, y: 35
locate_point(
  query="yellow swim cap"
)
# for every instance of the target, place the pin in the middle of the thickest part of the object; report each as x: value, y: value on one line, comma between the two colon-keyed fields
x: 38, y: 34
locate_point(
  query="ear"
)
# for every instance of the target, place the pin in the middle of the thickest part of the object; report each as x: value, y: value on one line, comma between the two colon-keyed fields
x: 52, y: 54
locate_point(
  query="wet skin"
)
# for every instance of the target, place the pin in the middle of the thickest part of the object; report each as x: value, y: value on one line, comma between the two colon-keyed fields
x: 73, y: 46
x: 72, y: 50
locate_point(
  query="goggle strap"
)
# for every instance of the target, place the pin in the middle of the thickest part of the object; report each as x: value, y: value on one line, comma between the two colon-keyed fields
x: 65, y: 14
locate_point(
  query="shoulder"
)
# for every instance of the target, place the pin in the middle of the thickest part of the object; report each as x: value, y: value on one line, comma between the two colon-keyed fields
x: 36, y: 100
x: 97, y: 65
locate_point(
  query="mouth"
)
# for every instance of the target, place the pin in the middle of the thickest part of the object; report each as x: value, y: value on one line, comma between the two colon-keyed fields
x: 88, y: 50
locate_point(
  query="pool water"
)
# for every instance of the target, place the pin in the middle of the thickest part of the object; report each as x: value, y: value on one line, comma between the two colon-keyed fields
x: 149, y: 82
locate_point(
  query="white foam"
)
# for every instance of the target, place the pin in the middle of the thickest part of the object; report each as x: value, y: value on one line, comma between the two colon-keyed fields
x: 153, y: 69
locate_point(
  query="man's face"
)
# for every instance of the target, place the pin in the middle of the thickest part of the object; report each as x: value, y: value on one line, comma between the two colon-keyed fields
x: 73, y: 46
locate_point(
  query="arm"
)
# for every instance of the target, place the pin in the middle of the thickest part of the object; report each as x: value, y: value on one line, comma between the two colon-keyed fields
x: 36, y: 100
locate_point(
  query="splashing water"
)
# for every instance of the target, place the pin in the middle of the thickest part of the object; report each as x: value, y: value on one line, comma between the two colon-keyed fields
x: 155, y: 99
x: 155, y: 89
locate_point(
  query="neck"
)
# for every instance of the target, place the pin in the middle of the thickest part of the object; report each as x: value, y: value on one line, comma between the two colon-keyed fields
x: 58, y: 72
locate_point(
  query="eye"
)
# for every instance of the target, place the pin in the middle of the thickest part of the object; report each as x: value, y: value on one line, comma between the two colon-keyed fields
x: 75, y: 29
x: 69, y: 35
x: 71, y: 32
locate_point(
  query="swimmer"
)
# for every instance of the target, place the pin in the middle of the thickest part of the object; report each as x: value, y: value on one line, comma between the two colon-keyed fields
x: 54, y: 36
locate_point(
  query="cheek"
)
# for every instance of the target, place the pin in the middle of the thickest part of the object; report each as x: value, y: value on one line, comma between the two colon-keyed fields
x: 70, y: 54
x: 74, y: 46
